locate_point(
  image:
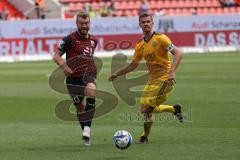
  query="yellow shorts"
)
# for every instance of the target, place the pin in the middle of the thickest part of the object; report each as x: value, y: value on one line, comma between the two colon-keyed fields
x: 155, y: 92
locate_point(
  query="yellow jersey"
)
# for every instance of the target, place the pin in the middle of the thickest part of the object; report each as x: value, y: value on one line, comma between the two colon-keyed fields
x: 156, y: 54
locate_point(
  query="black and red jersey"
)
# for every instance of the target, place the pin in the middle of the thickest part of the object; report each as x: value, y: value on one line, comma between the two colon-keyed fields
x: 79, y: 53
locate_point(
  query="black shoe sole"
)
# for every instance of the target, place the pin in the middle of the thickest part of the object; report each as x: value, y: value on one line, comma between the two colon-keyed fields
x: 178, y: 112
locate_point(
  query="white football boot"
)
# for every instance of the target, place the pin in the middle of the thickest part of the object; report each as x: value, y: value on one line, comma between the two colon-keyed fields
x: 86, y: 136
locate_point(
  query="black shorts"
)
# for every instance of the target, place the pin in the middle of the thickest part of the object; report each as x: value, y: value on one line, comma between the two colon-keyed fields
x: 76, y: 86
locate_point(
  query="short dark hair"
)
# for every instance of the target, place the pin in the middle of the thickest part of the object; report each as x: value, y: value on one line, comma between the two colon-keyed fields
x: 82, y: 14
x: 145, y: 14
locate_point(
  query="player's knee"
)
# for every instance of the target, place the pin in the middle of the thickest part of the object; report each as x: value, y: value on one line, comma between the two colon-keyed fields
x: 90, y: 90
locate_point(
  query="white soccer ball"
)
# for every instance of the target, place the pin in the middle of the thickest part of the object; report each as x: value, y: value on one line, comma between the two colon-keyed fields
x: 122, y: 139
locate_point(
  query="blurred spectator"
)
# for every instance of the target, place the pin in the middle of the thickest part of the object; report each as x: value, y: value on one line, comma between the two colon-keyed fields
x: 40, y: 8
x: 194, y: 11
x: 144, y: 7
x: 160, y: 13
x: 37, y: 10
x: 0, y: 14
x: 103, y: 9
x: 110, y: 6
x: 41, y: 4
x: 91, y: 12
x: 111, y: 9
x: 86, y: 7
x: 227, y: 3
x: 4, y: 14
x: 166, y: 25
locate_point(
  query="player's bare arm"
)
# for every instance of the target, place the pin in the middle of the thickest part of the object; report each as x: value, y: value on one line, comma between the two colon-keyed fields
x: 59, y: 61
x: 177, y: 56
x: 128, y: 68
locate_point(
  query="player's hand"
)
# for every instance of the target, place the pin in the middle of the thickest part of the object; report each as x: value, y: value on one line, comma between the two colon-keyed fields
x: 67, y: 70
x: 112, y: 77
x: 171, y: 79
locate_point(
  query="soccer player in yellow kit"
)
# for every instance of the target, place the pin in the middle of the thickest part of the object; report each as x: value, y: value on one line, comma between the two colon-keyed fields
x: 155, y: 49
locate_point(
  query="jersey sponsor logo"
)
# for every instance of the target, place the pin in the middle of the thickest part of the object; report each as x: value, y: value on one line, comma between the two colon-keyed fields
x: 92, y: 43
x: 154, y: 44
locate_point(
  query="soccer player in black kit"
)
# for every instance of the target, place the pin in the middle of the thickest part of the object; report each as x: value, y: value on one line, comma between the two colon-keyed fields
x: 80, y: 71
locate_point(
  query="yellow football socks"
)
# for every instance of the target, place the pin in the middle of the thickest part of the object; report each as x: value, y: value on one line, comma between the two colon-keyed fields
x: 164, y: 108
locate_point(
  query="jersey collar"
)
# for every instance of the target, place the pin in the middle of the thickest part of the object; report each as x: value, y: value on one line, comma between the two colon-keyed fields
x: 149, y: 38
x: 88, y: 35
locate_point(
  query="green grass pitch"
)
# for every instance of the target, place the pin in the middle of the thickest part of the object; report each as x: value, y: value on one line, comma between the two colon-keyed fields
x: 208, y: 87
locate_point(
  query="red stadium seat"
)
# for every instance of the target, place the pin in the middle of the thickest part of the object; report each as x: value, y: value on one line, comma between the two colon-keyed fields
x: 202, y: 3
x: 160, y: 4
x: 167, y: 4
x: 229, y: 10
x: 119, y: 13
x: 212, y: 11
x: 124, y: 5
x: 170, y: 12
x: 133, y: 5
x: 219, y: 11
x: 186, y: 11
x: 128, y: 13
x: 216, y: 3
x: 194, y: 3
x: 174, y: 3
x: 135, y: 12
x: 178, y: 11
x: 117, y: 5
x: 188, y: 4
x: 233, y: 10
x: 75, y: 6
x: 172, y: 7
x: 203, y: 11
x: 154, y: 4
